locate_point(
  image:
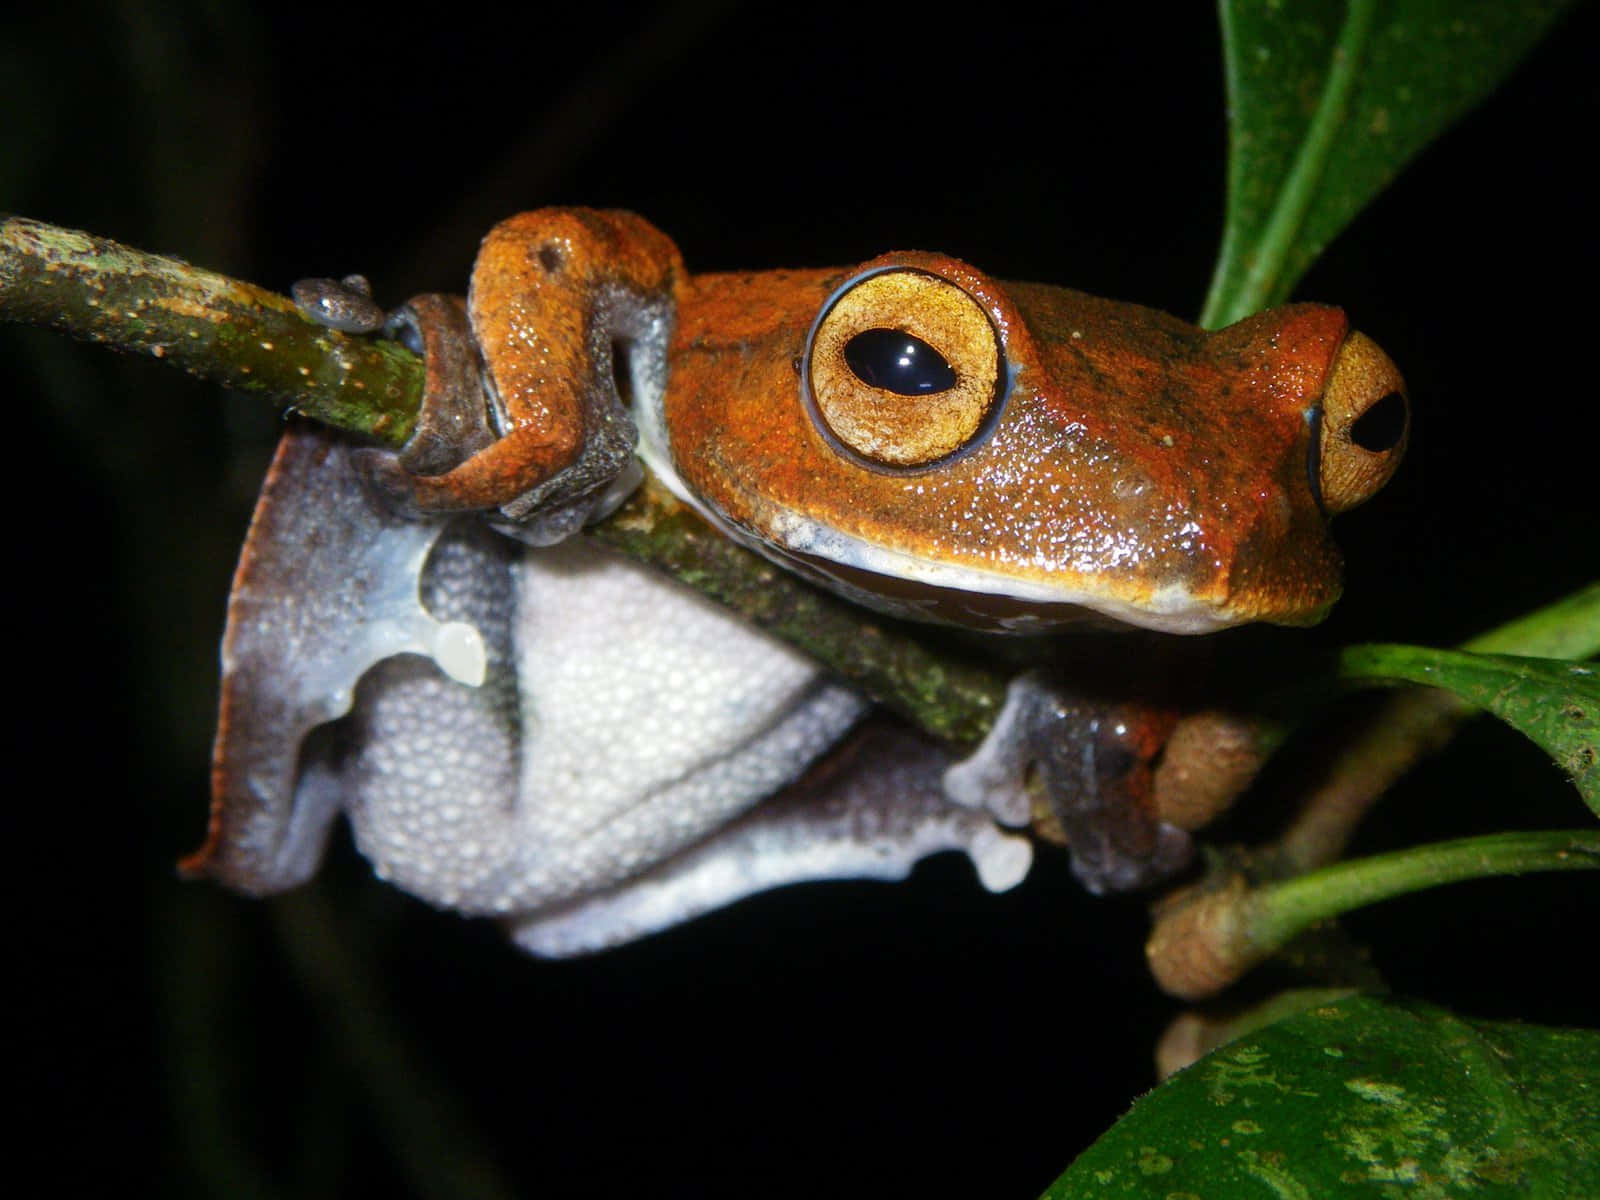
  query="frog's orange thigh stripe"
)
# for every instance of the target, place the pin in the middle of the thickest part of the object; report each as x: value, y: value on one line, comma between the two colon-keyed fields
x: 519, y: 461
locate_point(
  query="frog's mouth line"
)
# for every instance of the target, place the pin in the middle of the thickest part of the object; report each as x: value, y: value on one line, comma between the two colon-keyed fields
x: 903, y: 585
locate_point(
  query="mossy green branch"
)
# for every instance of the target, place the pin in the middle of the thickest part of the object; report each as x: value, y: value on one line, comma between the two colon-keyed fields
x: 252, y: 340
x: 220, y: 329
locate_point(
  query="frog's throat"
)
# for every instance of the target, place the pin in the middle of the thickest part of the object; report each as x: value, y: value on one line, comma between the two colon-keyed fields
x: 919, y: 588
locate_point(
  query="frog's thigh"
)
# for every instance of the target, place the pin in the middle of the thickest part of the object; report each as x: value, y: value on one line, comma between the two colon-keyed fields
x: 873, y: 819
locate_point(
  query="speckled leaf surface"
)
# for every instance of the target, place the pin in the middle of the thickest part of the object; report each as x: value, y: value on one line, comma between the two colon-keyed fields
x: 1367, y: 1097
x: 1327, y: 101
x: 1556, y: 704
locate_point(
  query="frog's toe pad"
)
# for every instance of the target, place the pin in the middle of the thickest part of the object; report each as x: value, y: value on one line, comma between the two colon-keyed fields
x: 343, y: 304
x: 1104, y: 869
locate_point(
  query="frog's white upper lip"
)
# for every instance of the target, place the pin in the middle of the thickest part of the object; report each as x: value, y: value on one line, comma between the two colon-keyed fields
x: 1172, y: 608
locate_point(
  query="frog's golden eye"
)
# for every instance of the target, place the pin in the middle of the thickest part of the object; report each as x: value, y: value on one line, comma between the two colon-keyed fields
x: 904, y: 369
x: 1365, y: 419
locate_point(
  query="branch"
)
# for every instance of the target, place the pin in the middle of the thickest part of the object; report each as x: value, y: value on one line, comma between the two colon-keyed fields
x: 219, y: 329
x: 252, y: 340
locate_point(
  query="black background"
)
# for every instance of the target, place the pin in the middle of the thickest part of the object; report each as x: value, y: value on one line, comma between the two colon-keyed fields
x: 853, y: 1040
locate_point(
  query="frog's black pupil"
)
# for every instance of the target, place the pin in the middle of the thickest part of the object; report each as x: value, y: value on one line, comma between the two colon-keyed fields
x: 898, y: 362
x: 1381, y: 426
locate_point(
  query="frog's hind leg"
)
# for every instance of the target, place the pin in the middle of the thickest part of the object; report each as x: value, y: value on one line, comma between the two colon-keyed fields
x: 870, y: 811
x: 326, y: 587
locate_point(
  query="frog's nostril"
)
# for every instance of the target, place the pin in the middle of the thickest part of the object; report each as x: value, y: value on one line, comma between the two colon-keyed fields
x: 622, y: 365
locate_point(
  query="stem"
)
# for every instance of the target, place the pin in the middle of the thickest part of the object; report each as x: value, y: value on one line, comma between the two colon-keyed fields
x: 1300, y: 185
x: 1404, y: 728
x: 1394, y: 735
x: 216, y: 328
x: 253, y: 340
x: 1282, y: 911
x: 1208, y: 936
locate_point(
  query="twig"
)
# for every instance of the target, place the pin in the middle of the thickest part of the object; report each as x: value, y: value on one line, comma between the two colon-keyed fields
x: 1405, y: 728
x: 1215, y: 936
x: 253, y: 340
x: 216, y: 328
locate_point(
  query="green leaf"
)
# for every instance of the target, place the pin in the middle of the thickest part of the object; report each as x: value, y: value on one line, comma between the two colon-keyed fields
x: 1367, y: 1097
x: 1555, y: 703
x: 1564, y: 628
x: 1326, y: 102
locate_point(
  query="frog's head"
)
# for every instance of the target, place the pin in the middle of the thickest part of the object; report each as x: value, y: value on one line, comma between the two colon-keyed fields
x: 939, y: 444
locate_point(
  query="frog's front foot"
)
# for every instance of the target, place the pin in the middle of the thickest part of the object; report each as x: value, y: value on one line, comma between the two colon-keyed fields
x: 1089, y: 766
x: 453, y: 420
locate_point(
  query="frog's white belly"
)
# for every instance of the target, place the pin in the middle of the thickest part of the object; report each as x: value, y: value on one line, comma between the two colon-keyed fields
x: 648, y: 719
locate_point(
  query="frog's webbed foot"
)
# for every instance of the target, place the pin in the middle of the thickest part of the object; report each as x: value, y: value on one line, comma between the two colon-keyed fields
x: 453, y: 422
x: 1091, y: 765
x: 327, y: 586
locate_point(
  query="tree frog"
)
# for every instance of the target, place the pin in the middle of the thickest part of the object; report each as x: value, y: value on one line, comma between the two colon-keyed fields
x: 529, y: 728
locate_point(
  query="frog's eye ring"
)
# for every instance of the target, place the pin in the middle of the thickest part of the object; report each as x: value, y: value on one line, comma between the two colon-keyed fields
x: 1364, y: 425
x: 903, y: 369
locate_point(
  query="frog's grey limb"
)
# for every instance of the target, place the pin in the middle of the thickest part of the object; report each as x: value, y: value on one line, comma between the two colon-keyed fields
x: 1094, y: 785
x: 323, y: 558
x: 872, y: 814
x: 994, y: 778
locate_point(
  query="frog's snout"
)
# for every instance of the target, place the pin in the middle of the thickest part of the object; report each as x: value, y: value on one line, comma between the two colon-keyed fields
x: 1366, y: 418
